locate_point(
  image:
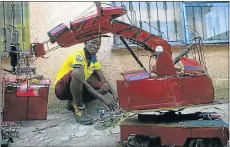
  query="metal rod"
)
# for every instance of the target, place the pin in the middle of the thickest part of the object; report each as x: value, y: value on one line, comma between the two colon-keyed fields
x: 129, y: 19
x: 193, y: 20
x: 133, y: 54
x: 122, y: 17
x: 154, y: 28
x: 218, y: 23
x: 4, y: 29
x: 140, y: 21
x: 149, y: 16
x: 225, y: 22
x: 175, y: 21
x: 158, y: 21
x: 13, y: 14
x: 166, y: 19
x: 202, y: 23
x: 23, y: 29
x: 131, y: 10
x: 157, y: 11
x: 214, y: 31
x: 135, y: 18
x: 210, y: 24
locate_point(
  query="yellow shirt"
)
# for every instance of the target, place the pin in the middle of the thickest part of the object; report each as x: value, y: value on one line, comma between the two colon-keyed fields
x: 77, y: 57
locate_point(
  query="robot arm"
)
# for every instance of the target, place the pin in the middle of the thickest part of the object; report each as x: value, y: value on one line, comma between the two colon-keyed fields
x: 103, y: 22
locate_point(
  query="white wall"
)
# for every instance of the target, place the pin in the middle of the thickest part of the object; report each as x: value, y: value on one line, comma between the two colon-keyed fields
x: 44, y: 16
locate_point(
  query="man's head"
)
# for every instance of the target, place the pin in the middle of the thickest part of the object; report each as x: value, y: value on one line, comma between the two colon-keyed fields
x: 92, y: 46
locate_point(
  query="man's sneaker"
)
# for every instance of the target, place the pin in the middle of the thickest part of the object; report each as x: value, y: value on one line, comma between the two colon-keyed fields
x: 70, y: 107
x: 83, y: 119
x: 82, y: 106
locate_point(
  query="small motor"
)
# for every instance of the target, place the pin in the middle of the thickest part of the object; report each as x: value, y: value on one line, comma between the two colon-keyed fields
x: 14, y: 56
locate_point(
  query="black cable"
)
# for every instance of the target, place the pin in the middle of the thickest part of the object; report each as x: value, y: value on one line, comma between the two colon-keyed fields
x: 131, y: 51
x: 129, y: 19
x: 190, y: 29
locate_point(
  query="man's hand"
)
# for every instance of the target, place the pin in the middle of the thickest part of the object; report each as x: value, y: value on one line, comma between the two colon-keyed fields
x: 111, y: 103
x: 115, y: 97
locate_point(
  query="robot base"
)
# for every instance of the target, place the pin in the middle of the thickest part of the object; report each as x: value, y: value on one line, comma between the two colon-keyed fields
x: 184, y: 133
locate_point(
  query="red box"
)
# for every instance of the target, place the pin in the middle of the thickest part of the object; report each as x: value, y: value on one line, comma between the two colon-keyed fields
x: 30, y: 104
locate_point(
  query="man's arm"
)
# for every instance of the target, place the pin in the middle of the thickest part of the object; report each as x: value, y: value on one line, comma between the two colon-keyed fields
x: 78, y: 70
x: 101, y: 78
x: 100, y: 75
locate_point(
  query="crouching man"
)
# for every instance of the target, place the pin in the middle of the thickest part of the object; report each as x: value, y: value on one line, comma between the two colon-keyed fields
x: 80, y: 79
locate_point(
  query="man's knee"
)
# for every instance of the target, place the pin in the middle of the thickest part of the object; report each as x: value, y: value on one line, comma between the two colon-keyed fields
x: 76, y: 84
x: 62, y: 88
x: 78, y: 74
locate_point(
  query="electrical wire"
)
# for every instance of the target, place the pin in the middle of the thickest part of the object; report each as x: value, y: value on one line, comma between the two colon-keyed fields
x: 214, y: 108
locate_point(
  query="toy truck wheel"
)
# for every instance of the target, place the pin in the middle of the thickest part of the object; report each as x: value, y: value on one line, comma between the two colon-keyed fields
x: 196, y: 143
x: 210, y: 142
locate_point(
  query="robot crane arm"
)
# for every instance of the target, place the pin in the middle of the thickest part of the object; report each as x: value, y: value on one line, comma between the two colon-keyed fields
x: 103, y: 22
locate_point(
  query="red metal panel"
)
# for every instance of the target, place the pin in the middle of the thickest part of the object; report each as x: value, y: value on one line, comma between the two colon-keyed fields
x: 195, y: 90
x: 37, y: 106
x: 191, y: 66
x: 39, y: 50
x: 113, y: 11
x: 147, y: 93
x: 164, y: 65
x: 15, y: 108
x: 215, y: 132
x: 155, y: 93
x: 66, y: 40
x: 19, y: 108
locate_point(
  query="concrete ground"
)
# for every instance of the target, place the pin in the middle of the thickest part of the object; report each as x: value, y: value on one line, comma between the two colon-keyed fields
x: 62, y: 130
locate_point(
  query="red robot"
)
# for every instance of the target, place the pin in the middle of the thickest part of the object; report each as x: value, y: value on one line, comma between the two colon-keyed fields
x: 164, y: 87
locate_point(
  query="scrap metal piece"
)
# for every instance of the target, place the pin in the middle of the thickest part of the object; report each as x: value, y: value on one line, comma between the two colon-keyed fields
x: 48, y: 127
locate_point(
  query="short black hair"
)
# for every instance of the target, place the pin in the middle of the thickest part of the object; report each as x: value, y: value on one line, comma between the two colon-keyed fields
x: 99, y: 37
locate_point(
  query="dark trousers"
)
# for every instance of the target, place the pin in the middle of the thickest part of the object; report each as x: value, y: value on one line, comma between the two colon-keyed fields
x: 62, y: 88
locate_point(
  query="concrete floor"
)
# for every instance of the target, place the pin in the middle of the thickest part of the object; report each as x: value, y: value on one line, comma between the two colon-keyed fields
x: 63, y: 131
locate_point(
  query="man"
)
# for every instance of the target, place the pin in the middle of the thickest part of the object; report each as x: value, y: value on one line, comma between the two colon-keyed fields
x: 76, y: 81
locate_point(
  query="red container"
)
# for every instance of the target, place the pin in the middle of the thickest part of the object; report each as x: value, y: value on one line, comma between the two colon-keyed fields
x: 24, y: 104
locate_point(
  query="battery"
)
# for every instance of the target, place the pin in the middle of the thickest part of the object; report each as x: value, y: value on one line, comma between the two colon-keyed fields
x: 24, y: 99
